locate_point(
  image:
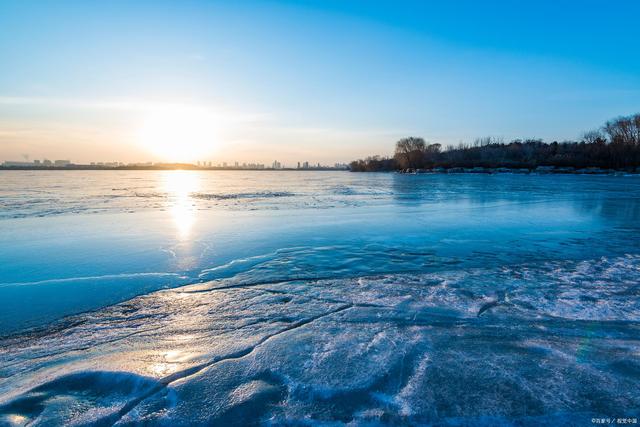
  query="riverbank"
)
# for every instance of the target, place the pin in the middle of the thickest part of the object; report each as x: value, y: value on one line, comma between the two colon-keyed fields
x: 538, y: 170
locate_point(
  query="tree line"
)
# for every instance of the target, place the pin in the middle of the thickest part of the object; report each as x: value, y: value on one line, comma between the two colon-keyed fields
x: 616, y: 145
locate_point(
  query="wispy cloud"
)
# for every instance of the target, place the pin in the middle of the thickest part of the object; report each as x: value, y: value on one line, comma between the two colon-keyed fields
x: 132, y: 105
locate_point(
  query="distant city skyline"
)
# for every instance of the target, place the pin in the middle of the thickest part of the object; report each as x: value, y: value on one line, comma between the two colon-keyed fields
x: 326, y: 81
x: 65, y: 163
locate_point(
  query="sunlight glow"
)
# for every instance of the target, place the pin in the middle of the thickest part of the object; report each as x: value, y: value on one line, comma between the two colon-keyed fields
x: 17, y: 420
x: 178, y: 134
x: 171, y: 361
x: 179, y: 185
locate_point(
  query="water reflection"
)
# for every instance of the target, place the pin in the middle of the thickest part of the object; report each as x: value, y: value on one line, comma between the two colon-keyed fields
x: 179, y: 185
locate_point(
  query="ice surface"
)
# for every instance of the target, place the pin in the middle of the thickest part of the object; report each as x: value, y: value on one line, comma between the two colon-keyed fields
x: 360, y: 299
x: 561, y: 343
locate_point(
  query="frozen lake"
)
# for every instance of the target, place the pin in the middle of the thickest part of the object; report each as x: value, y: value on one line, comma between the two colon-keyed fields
x: 318, y: 297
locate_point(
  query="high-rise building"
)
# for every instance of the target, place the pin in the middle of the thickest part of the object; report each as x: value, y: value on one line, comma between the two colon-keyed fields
x: 17, y: 163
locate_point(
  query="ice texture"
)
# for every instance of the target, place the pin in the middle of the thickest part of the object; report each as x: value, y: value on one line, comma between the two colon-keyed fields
x: 558, y: 343
x: 308, y: 298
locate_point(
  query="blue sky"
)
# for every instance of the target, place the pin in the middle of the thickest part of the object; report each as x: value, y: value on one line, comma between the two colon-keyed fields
x: 309, y: 80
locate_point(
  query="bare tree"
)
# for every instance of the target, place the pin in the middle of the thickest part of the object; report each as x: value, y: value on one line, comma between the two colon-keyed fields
x: 615, y: 146
x: 594, y: 137
x: 410, y: 152
x: 624, y: 130
x: 487, y: 140
x: 433, y: 149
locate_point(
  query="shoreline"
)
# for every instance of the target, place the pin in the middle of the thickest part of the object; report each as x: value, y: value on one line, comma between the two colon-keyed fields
x: 160, y: 168
x: 540, y: 170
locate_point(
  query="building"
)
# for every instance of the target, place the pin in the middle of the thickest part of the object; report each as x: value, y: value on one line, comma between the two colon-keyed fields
x: 61, y: 163
x: 10, y: 163
x: 305, y: 165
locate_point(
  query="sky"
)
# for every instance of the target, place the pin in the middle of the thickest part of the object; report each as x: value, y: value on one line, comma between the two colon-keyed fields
x: 320, y: 81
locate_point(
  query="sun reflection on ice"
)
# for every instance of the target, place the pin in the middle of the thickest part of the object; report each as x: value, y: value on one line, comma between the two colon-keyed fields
x: 17, y: 420
x: 179, y: 185
x: 171, y: 361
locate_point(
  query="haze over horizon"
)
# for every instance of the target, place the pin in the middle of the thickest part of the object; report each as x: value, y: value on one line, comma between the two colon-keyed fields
x: 323, y: 81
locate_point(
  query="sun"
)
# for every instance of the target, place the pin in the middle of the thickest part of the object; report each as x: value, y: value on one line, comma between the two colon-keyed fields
x: 178, y: 134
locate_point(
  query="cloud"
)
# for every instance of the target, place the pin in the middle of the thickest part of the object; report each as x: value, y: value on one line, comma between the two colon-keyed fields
x: 132, y: 105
